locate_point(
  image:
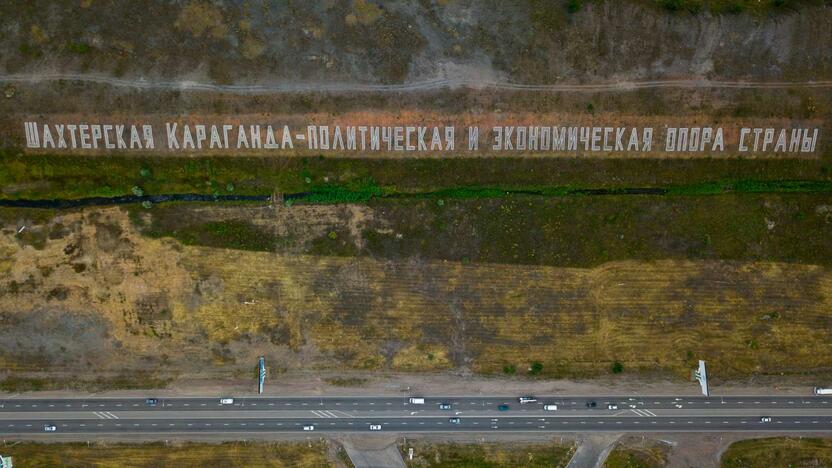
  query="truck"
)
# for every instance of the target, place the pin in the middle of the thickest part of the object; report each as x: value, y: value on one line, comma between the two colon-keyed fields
x: 823, y: 391
x: 417, y: 401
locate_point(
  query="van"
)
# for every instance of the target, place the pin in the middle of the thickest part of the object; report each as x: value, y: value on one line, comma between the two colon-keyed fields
x: 308, y: 428
x: 550, y: 407
x: 417, y: 401
x: 226, y: 401
x: 527, y: 399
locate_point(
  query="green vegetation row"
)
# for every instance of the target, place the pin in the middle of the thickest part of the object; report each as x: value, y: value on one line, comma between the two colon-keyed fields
x: 47, y: 177
x: 571, y: 231
x: 370, y: 190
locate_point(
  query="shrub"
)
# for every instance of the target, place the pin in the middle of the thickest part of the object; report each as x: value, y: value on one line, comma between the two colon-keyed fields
x: 573, y: 6
x: 509, y: 369
x: 536, y: 368
x: 617, y: 367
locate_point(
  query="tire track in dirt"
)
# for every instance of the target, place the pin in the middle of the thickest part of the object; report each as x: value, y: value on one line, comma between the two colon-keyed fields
x: 426, y: 85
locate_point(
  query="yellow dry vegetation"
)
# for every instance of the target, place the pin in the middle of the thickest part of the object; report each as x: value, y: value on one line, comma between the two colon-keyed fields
x: 235, y: 454
x: 743, y: 317
x: 201, y: 18
x: 199, y: 311
x: 38, y: 35
x: 363, y: 12
x: 251, y: 47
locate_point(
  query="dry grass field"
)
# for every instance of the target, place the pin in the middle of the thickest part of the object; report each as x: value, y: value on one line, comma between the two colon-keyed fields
x: 638, y: 452
x: 778, y: 451
x: 491, y: 455
x: 85, y: 295
x: 234, y: 454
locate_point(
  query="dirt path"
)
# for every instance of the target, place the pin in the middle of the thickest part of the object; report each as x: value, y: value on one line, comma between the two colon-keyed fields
x: 437, y: 83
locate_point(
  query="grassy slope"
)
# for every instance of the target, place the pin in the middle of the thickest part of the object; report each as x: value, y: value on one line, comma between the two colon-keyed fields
x: 578, y: 231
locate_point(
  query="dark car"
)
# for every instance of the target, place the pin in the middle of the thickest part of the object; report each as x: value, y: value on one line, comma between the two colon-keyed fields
x: 151, y: 401
x: 503, y: 407
x: 591, y: 404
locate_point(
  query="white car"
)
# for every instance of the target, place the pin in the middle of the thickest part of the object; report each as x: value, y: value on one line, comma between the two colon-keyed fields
x: 612, y: 406
x: 308, y: 428
x: 226, y: 401
x: 550, y: 407
x: 49, y: 428
x: 765, y: 419
x: 375, y: 427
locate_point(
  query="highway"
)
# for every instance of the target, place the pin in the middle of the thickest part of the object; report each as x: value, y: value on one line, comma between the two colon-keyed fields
x: 23, y: 417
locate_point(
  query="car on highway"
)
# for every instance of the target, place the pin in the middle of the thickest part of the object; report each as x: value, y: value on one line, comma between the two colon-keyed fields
x: 49, y: 428
x: 444, y: 406
x: 226, y: 401
x: 454, y: 420
x: 151, y: 401
x: 503, y: 408
x: 591, y: 404
x: 612, y: 406
x: 308, y: 428
x: 550, y: 407
x: 417, y: 401
x: 375, y: 427
x: 527, y: 399
x: 765, y: 419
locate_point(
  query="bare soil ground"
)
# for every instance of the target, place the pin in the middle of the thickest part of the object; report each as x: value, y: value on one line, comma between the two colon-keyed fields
x: 98, y: 299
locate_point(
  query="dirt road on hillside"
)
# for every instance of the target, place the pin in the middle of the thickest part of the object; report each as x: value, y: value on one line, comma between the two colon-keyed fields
x: 427, y: 85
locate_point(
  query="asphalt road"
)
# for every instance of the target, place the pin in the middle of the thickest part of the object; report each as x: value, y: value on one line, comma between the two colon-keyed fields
x: 21, y: 416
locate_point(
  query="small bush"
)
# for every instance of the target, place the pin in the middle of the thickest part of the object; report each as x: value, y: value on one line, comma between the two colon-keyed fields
x: 617, y: 367
x: 79, y: 47
x: 509, y: 369
x: 536, y: 368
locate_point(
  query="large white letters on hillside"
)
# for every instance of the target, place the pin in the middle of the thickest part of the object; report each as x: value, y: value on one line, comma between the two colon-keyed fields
x: 113, y: 137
